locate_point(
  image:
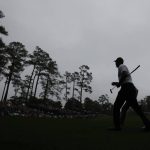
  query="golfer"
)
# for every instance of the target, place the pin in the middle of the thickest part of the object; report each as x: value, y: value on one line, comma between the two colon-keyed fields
x: 127, y: 95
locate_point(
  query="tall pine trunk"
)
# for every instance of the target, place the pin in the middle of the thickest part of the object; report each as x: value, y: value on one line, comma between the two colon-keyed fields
x: 16, y: 92
x: 32, y: 86
x: 81, y: 88
x: 46, y: 89
x: 30, y: 83
x: 4, y: 90
x: 73, y: 89
x: 66, y: 90
x: 37, y: 83
x: 81, y: 95
x: 7, y: 89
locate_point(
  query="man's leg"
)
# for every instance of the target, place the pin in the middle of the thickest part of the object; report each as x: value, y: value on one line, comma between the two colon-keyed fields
x: 132, y: 100
x: 116, y: 110
x: 123, y: 113
x: 126, y: 107
x: 137, y: 109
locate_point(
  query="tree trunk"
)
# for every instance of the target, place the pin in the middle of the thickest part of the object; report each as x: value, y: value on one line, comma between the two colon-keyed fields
x: 37, y: 84
x: 30, y: 83
x: 66, y: 90
x: 32, y: 86
x: 46, y: 89
x: 4, y: 90
x: 73, y: 89
x: 81, y: 95
x: 16, y: 92
x: 9, y: 79
x: 81, y: 88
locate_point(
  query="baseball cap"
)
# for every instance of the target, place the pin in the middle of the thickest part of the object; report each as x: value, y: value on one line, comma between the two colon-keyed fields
x: 119, y: 59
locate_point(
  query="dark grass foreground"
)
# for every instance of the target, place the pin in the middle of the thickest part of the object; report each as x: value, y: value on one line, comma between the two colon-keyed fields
x: 71, y: 134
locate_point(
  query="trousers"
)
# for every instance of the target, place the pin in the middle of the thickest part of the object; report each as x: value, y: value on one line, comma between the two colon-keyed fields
x: 127, y: 95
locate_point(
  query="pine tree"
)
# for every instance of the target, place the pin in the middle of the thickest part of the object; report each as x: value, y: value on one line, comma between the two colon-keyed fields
x: 84, y: 81
x: 16, y: 55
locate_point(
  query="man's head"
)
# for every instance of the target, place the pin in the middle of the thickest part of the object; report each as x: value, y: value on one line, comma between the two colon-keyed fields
x: 119, y: 61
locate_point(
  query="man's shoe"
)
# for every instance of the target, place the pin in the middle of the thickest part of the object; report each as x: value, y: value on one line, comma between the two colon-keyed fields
x: 146, y: 129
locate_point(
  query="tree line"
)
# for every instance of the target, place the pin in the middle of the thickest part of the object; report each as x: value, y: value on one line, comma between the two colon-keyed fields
x: 15, y: 58
x: 44, y: 74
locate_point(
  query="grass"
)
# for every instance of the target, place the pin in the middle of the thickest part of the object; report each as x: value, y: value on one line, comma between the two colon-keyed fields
x: 71, y: 134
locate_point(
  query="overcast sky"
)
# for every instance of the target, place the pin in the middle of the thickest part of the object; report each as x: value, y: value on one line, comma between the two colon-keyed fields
x: 86, y: 32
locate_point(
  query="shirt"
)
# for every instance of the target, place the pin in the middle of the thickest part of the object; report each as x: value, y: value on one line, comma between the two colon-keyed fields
x: 121, y: 69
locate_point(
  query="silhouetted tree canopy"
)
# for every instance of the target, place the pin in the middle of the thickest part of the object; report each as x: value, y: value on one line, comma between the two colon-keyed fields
x: 92, y: 106
x: 73, y: 104
x: 16, y: 54
x: 3, y: 56
x: 85, y: 78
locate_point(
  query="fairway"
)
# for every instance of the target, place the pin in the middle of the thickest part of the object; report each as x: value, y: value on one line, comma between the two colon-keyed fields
x: 71, y: 134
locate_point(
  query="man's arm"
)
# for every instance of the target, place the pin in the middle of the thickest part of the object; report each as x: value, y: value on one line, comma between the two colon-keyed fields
x: 123, y: 77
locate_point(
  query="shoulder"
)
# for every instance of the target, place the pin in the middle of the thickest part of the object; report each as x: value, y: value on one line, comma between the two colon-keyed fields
x: 123, y: 67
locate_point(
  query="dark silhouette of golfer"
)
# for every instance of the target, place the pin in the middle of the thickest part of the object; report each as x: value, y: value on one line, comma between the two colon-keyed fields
x: 127, y: 97
x: 124, y: 110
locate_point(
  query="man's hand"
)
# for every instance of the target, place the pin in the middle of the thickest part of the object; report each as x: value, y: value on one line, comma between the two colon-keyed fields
x: 117, y: 84
x: 114, y: 83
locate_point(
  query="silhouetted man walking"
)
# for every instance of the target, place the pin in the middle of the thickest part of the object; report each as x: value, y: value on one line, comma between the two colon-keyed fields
x: 127, y: 95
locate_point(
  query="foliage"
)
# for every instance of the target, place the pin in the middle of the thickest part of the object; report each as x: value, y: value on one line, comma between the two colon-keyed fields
x: 50, y: 80
x: 74, y: 78
x: 44, y: 104
x: 3, y: 57
x: 106, y: 106
x: 16, y: 55
x: 92, y: 106
x: 145, y: 104
x: 84, y: 81
x: 67, y: 79
x: 2, y: 28
x: 73, y: 104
